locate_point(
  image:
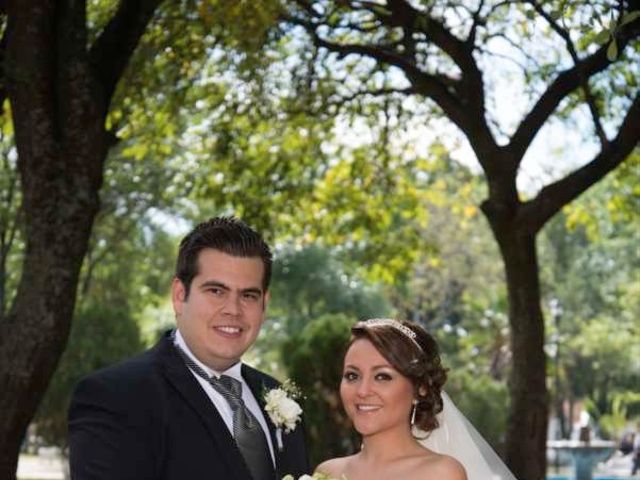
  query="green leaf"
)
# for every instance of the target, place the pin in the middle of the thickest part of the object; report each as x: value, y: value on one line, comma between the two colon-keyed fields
x: 629, y: 17
x: 556, y: 14
x: 381, y: 11
x: 612, y: 51
x: 602, y: 37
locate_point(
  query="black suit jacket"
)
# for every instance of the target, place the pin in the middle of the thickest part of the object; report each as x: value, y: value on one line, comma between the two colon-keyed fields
x: 149, y: 419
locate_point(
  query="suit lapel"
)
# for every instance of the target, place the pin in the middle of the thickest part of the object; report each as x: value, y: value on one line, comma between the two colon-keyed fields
x: 259, y: 388
x: 181, y: 378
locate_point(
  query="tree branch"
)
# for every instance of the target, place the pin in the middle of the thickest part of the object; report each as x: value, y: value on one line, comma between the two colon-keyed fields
x: 459, y: 51
x: 565, y: 83
x: 535, y: 213
x: 429, y: 85
x: 477, y: 21
x: 584, y: 80
x: 112, y: 50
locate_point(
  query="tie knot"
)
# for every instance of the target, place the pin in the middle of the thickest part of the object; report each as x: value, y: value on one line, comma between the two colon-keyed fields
x: 233, y: 386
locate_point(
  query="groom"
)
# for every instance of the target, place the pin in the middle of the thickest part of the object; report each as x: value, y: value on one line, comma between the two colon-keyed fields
x: 189, y: 408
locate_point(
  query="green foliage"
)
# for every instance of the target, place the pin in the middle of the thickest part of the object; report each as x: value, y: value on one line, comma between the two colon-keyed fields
x: 11, y: 247
x: 591, y: 265
x: 614, y: 423
x: 612, y: 204
x: 311, y: 282
x: 314, y: 360
x: 601, y: 364
x: 307, y: 284
x: 100, y: 336
x: 484, y: 401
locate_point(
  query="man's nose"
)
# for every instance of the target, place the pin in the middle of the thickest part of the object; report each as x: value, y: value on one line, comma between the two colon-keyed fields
x: 232, y: 304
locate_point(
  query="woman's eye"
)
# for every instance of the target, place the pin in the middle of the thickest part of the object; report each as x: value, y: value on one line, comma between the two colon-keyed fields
x: 385, y: 377
x: 350, y: 376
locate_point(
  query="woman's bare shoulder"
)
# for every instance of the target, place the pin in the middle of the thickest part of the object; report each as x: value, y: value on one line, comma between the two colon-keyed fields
x: 334, y: 467
x: 446, y: 467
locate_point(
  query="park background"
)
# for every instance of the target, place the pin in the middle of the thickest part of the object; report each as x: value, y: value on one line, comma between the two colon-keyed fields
x: 472, y: 166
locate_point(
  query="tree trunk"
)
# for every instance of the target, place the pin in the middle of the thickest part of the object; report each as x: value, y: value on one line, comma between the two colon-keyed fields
x: 59, y: 123
x: 527, y: 424
x: 60, y: 91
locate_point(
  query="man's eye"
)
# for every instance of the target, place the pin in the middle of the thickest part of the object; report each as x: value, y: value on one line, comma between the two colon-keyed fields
x: 251, y: 296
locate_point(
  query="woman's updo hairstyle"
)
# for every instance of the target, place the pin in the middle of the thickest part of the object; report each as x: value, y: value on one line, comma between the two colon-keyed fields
x: 415, y: 354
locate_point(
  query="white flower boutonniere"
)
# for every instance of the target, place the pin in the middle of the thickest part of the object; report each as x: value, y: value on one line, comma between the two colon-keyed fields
x: 282, y: 408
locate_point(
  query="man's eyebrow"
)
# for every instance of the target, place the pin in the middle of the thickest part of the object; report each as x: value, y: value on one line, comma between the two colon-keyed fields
x: 252, y: 290
x: 214, y: 283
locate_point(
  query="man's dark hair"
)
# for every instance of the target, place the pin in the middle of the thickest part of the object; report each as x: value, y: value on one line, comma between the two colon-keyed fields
x: 225, y: 234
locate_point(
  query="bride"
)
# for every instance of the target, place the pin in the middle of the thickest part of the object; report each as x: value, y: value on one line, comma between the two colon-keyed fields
x: 391, y: 390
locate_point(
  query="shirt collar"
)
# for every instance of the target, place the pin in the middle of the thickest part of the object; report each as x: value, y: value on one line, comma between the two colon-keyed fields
x: 234, y: 371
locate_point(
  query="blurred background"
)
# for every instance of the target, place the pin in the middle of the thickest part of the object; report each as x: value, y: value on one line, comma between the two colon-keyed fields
x: 471, y: 166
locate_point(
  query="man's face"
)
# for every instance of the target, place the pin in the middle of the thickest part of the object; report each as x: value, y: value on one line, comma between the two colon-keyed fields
x: 222, y: 316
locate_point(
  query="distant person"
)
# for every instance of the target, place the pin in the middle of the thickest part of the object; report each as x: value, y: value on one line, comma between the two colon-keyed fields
x: 391, y: 389
x: 189, y: 408
x: 635, y: 456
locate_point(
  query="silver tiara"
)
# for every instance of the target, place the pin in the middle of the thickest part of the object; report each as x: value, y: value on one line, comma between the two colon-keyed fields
x: 389, y: 322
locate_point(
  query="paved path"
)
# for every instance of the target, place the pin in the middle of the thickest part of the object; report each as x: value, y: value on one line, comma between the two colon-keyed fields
x: 40, y: 467
x: 617, y: 466
x: 49, y: 466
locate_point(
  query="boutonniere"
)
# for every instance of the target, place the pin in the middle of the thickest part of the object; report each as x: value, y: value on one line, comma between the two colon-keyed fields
x: 282, y: 408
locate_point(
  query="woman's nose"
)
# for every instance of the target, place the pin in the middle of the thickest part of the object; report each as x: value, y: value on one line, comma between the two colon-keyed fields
x: 364, y: 387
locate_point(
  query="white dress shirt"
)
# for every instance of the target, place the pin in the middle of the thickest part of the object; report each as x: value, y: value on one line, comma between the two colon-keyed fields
x: 219, y: 402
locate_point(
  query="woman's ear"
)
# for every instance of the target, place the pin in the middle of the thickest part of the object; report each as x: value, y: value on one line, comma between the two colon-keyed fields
x: 422, y: 391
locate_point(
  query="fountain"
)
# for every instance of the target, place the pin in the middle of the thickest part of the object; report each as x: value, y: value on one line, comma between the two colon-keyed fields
x: 585, y: 452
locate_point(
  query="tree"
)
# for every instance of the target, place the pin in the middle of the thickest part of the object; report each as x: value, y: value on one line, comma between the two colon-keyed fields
x: 442, y: 54
x: 63, y: 63
x: 591, y: 266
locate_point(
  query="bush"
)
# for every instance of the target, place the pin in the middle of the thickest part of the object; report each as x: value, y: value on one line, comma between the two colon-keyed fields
x: 99, y: 337
x: 314, y: 360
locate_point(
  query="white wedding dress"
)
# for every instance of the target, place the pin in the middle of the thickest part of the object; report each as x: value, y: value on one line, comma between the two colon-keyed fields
x: 458, y: 438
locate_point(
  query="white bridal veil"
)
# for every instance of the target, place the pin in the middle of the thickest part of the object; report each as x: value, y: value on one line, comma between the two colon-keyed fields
x: 458, y: 438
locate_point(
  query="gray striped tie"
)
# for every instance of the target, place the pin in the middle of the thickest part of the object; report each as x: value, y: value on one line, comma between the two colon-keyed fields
x: 247, y: 431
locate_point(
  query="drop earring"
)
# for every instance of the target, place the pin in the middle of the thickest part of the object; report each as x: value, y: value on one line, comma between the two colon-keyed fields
x: 413, y: 412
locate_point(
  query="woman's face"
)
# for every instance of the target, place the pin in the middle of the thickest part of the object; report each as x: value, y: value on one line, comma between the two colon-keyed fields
x: 374, y: 394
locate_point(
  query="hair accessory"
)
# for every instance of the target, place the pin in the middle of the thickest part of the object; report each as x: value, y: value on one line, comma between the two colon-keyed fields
x: 389, y: 322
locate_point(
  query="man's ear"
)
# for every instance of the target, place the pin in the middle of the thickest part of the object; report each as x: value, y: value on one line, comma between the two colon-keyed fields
x: 178, y: 295
x: 266, y: 300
